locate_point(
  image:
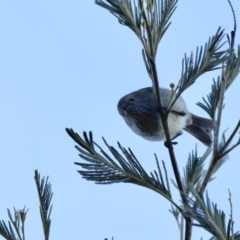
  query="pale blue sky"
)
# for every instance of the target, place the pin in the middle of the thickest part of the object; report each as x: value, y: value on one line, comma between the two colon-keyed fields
x: 66, y: 64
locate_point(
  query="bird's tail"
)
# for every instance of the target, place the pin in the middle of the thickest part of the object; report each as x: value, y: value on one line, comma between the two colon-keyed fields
x: 201, y: 128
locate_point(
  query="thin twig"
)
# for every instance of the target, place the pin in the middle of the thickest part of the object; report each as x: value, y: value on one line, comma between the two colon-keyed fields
x: 216, y: 137
x: 164, y: 116
x: 188, y: 228
x: 231, y: 213
x: 222, y: 150
x: 182, y: 227
x: 23, y: 217
x: 219, y: 116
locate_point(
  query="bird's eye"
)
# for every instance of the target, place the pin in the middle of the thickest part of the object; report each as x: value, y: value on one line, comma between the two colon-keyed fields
x: 131, y: 100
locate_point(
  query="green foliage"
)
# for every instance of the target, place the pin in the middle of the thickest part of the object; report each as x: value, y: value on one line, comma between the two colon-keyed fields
x: 149, y: 20
x: 206, y: 59
x: 208, y: 216
x: 16, y: 224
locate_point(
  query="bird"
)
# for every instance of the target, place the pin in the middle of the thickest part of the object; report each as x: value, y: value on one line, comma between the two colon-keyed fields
x: 140, y: 111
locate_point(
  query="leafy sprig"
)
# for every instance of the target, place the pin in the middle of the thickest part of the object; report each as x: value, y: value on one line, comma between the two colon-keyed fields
x: 194, y: 170
x: 14, y: 226
x: 45, y: 194
x: 149, y: 20
x: 103, y: 169
x: 211, y: 103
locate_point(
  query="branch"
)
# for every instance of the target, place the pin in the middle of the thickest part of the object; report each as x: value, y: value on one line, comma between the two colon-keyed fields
x: 231, y: 222
x: 154, y: 22
x: 220, y: 157
x: 216, y: 102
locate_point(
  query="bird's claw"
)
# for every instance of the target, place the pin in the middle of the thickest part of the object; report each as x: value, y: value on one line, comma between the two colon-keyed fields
x: 180, y: 113
x: 167, y: 145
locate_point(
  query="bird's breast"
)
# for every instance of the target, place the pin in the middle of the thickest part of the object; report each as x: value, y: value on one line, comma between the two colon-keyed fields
x: 177, y: 122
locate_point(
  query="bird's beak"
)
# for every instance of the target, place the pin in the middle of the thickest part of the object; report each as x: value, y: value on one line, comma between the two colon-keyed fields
x: 121, y: 107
